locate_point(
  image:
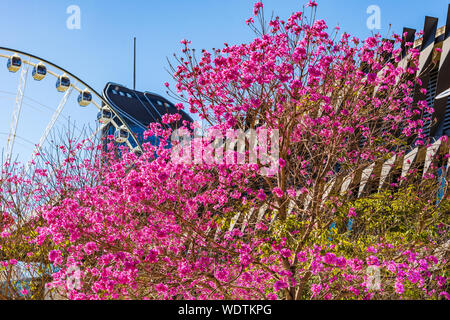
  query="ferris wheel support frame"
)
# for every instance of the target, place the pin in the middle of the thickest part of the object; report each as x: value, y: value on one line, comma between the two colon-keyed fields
x: 50, y: 125
x: 16, y: 112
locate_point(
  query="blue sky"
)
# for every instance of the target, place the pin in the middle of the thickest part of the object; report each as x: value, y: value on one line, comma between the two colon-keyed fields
x: 101, y: 50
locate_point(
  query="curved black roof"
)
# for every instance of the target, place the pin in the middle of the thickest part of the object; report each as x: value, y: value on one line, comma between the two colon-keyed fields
x: 141, y: 108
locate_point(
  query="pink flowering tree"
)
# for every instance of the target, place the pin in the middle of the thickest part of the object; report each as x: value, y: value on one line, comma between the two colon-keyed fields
x: 217, y: 221
x: 25, y: 267
x: 339, y: 105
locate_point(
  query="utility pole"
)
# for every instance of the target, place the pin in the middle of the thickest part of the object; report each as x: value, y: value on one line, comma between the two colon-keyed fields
x: 134, y: 65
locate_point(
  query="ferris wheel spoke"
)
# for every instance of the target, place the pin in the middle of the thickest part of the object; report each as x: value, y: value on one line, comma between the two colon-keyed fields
x: 16, y: 112
x: 50, y: 125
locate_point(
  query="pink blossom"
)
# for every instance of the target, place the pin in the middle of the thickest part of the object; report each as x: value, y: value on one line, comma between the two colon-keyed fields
x: 286, y: 253
x: 351, y: 213
x: 316, y: 289
x: 261, y: 195
x: 161, y: 287
x: 280, y: 285
x: 399, y: 288
x: 257, y: 7
x: 278, y: 192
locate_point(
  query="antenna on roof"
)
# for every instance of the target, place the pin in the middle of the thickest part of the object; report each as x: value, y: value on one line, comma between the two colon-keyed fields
x: 134, y: 65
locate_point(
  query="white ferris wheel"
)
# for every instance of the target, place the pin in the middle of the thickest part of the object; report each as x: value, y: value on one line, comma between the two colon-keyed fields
x: 40, y: 102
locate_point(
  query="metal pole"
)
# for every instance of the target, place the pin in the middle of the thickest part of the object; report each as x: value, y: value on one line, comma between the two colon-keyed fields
x: 134, y: 65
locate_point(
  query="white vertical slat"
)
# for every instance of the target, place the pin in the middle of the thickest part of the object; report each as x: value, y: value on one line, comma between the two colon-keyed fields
x: 386, y: 169
x: 234, y: 220
x: 247, y: 218
x: 308, y: 199
x: 291, y: 206
x: 261, y: 212
x: 365, y: 177
x: 328, y: 188
x: 346, y: 183
x: 431, y: 153
x: 408, y: 161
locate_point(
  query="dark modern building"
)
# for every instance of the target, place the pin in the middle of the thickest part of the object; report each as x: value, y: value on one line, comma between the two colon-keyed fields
x: 435, y: 69
x: 139, y: 109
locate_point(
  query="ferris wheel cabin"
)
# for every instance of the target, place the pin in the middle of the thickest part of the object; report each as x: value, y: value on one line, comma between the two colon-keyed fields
x: 85, y: 98
x: 104, y: 116
x: 121, y: 134
x: 63, y: 83
x: 39, y: 71
x: 14, y: 63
